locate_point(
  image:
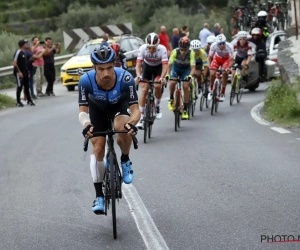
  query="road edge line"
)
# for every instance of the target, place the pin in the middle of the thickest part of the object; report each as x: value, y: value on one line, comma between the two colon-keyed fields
x: 255, y: 113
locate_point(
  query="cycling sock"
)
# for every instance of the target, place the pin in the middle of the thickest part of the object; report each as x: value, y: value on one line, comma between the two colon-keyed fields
x: 142, y: 110
x: 223, y: 90
x: 185, y: 106
x: 171, y: 96
x: 124, y: 158
x: 157, y: 102
x: 98, y: 189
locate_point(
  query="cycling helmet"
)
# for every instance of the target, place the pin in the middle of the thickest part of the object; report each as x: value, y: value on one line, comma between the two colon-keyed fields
x: 242, y: 34
x: 220, y: 38
x: 103, y: 54
x: 262, y: 13
x: 184, y: 43
x: 152, y: 40
x: 116, y: 47
x: 210, y: 39
x: 195, y: 44
x: 256, y: 31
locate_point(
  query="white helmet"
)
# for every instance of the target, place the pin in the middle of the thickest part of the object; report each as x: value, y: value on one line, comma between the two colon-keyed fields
x: 195, y: 44
x: 262, y: 13
x: 256, y: 31
x: 242, y: 34
x: 220, y: 38
x: 210, y: 39
x: 152, y: 40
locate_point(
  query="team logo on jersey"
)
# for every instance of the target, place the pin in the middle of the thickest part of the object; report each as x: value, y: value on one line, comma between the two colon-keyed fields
x: 127, y: 78
x: 83, y: 98
x: 115, y: 92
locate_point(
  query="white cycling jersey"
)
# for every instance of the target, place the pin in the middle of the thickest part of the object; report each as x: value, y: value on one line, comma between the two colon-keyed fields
x: 159, y: 57
x: 243, y: 51
x: 227, y: 52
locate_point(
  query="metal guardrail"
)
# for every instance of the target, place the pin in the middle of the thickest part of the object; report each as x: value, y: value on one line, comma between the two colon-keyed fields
x: 59, y: 60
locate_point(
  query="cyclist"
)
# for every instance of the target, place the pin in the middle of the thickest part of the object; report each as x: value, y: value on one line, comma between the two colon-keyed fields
x: 120, y: 57
x: 210, y: 40
x: 115, y: 89
x: 243, y: 53
x: 181, y: 63
x: 220, y: 54
x: 201, y: 62
x: 153, y: 59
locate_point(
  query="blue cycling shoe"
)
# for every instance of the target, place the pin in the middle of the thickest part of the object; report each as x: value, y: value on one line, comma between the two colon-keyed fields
x: 98, y: 207
x: 128, y: 175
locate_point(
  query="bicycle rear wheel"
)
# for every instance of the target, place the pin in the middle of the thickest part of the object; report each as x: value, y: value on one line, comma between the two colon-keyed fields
x: 146, y: 119
x: 176, y: 111
x: 112, y: 169
x: 202, y: 100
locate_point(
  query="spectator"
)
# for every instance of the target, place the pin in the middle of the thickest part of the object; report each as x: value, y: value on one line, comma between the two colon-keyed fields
x: 30, y: 59
x: 105, y: 39
x: 203, y: 34
x: 217, y: 28
x: 38, y: 66
x: 184, y: 31
x: 175, y: 38
x: 164, y: 38
x: 221, y: 30
x: 21, y: 73
x: 49, y: 68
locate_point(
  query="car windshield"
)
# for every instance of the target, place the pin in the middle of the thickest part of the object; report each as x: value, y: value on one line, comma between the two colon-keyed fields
x: 87, y: 49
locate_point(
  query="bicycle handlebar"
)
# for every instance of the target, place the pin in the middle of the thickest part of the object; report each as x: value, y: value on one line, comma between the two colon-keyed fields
x: 97, y: 134
x: 152, y: 82
x: 179, y: 80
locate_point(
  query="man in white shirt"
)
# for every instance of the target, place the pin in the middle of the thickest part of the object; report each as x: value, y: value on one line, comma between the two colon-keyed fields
x: 204, y: 33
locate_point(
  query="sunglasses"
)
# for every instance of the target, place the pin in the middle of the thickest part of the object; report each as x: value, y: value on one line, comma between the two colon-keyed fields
x: 221, y: 43
x: 184, y: 50
x: 243, y: 38
x: 196, y: 50
x: 151, y: 48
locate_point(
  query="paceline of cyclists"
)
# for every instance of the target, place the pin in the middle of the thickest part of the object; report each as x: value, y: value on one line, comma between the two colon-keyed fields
x: 114, y: 88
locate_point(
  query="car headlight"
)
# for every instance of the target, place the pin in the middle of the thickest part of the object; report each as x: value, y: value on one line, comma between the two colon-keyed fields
x: 62, y: 70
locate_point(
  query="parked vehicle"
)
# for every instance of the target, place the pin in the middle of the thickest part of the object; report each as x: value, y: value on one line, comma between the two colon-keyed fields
x: 81, y: 63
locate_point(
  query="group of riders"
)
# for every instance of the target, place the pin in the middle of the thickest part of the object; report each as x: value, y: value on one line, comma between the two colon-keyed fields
x: 114, y: 87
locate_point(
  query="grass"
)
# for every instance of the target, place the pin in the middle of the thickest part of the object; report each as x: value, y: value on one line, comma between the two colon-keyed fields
x: 7, y: 85
x: 282, y: 103
x: 6, y: 101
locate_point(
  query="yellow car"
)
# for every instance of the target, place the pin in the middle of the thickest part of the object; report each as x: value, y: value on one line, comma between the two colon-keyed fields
x: 80, y: 63
x: 71, y: 71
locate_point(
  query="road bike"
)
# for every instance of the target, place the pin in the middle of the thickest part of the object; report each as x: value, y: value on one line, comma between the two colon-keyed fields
x: 216, y: 91
x: 236, y: 85
x: 192, y: 98
x: 178, y: 101
x: 112, y: 182
x: 149, y: 115
x: 204, y: 92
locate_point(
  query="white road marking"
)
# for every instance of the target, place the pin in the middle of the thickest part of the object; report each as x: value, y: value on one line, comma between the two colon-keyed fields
x: 256, y: 116
x: 145, y: 224
x: 281, y: 130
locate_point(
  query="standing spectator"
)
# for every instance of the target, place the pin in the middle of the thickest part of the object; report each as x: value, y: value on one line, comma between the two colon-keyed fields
x: 38, y: 65
x: 49, y: 68
x: 204, y: 34
x: 30, y: 59
x: 164, y: 38
x: 175, y: 38
x: 217, y: 28
x: 184, y: 31
x: 21, y: 73
x: 105, y: 39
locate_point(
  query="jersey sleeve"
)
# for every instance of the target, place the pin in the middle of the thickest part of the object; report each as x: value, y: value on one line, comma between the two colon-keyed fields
x: 128, y: 86
x: 250, y: 49
x: 172, y: 56
x: 164, y: 55
x: 192, y: 58
x: 84, y: 88
x: 212, y: 50
x: 230, y: 49
x: 141, y: 53
x: 203, y: 57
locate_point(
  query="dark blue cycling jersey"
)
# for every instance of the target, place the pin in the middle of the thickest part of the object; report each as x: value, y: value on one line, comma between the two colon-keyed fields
x: 124, y: 87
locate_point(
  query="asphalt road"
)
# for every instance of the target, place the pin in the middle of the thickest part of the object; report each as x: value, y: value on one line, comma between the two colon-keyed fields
x: 221, y: 182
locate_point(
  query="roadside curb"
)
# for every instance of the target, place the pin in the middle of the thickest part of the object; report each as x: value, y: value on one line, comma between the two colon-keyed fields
x: 255, y: 113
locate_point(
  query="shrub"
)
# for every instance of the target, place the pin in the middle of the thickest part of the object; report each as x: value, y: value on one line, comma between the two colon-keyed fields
x: 282, y: 104
x: 6, y: 101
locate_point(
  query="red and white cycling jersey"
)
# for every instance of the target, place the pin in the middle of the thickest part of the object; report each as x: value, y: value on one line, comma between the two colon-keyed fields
x: 244, y: 51
x: 159, y: 57
x: 226, y: 53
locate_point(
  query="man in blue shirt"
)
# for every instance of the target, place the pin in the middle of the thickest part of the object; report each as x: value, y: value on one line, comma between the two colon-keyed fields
x: 175, y: 38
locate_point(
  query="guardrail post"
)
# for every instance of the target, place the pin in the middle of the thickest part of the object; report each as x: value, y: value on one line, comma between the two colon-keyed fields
x: 296, y: 19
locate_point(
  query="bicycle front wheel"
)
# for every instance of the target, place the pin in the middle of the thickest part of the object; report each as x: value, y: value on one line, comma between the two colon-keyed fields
x: 112, y: 169
x: 240, y: 93
x: 177, y: 111
x: 232, y: 92
x: 151, y: 120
